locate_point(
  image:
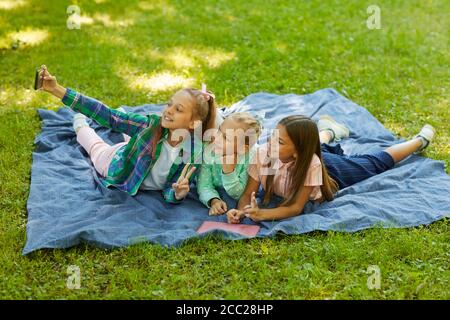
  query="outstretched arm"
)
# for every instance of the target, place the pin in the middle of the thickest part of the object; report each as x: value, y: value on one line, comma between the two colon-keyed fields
x: 128, y: 123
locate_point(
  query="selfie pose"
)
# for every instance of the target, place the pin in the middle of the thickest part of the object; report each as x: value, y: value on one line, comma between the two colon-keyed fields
x: 153, y: 158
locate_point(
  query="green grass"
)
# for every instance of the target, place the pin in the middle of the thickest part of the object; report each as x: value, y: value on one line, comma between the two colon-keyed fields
x: 399, y: 73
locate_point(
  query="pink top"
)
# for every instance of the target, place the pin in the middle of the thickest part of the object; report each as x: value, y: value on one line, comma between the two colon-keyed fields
x: 257, y: 171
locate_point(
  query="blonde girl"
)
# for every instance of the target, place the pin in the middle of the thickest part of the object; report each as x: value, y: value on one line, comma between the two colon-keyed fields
x: 226, y: 161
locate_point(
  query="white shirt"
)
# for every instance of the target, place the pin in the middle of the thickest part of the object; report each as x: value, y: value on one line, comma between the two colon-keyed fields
x: 157, y: 178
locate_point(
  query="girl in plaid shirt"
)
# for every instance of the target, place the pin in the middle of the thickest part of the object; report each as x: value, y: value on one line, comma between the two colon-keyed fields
x: 162, y: 153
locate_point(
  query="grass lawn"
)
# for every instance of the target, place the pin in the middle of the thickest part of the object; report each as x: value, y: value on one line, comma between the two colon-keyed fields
x: 134, y: 52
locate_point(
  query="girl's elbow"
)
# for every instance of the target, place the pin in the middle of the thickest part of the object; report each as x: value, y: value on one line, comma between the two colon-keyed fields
x: 297, y: 210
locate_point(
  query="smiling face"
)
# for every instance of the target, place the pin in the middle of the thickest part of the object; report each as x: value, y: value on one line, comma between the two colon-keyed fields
x: 179, y: 112
x: 232, y: 138
x: 282, y: 144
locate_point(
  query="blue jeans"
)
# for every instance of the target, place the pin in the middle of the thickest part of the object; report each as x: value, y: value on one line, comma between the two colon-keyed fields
x: 347, y: 170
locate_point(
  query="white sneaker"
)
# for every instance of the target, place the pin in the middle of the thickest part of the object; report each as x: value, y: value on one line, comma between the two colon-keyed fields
x: 79, y: 120
x: 339, y: 130
x: 427, y: 134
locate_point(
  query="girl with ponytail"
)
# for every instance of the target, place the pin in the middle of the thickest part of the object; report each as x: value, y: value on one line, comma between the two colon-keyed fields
x: 161, y: 153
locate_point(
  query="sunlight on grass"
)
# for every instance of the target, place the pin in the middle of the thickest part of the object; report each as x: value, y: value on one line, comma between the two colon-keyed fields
x: 165, y: 8
x: 216, y: 59
x: 398, y: 129
x: 102, y: 18
x: 80, y: 20
x: 30, y: 37
x: 20, y: 98
x: 161, y: 82
x: 11, y: 4
x: 158, y: 82
x: 11, y: 97
x: 27, y: 37
x: 107, y: 38
x: 106, y: 20
x: 180, y: 58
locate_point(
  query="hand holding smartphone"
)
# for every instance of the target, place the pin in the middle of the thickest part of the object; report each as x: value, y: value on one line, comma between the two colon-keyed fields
x: 38, y: 79
x: 45, y: 81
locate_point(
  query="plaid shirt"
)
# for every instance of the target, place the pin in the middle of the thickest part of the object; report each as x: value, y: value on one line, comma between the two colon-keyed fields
x: 134, y: 161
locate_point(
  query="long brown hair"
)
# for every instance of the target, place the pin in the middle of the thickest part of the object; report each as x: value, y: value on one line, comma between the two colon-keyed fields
x: 204, y: 107
x: 305, y: 135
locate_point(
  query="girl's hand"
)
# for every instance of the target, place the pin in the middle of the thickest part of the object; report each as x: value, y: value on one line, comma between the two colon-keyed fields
x: 252, y: 211
x: 50, y: 84
x: 235, y: 216
x: 181, y: 187
x: 217, y: 207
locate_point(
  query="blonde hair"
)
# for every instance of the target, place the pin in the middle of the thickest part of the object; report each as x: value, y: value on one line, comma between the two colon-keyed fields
x: 249, y: 122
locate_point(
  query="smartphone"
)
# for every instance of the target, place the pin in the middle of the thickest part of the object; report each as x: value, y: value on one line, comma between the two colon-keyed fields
x: 37, y: 80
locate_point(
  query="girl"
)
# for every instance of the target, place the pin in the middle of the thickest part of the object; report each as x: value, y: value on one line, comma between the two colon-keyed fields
x: 307, y: 170
x: 159, y: 156
x: 226, y: 161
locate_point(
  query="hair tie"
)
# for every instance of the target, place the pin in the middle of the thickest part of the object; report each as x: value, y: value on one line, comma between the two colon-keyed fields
x: 206, y: 94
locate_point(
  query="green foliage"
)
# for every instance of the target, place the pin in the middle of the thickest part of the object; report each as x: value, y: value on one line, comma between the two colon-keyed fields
x: 134, y: 52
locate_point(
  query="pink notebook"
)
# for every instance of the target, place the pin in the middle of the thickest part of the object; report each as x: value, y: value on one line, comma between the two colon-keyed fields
x: 244, y: 229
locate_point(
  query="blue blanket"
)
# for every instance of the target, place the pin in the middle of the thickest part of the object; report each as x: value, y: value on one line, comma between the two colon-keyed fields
x: 67, y: 205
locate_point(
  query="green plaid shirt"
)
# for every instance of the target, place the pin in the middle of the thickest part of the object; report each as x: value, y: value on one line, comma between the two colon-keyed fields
x: 133, y: 162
